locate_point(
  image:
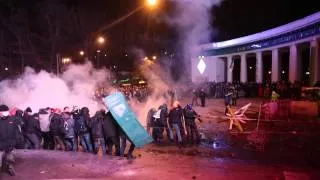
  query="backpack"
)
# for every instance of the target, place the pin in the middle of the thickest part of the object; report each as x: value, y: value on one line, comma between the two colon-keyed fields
x: 81, y: 126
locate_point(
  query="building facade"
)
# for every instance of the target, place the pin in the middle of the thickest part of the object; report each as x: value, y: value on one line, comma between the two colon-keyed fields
x: 290, y: 52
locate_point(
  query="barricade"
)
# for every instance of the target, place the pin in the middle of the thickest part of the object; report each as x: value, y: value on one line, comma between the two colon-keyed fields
x: 304, y: 109
x: 283, y: 109
x: 287, y: 109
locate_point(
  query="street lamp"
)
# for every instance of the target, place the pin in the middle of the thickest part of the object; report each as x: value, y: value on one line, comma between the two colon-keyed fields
x: 101, y: 40
x: 66, y: 60
x: 81, y: 53
x: 152, y: 3
x: 154, y: 57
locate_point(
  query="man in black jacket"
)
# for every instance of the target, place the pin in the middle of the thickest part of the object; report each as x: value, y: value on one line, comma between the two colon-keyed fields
x: 56, y: 126
x: 202, y: 96
x: 164, y: 121
x: 31, y: 129
x: 175, y: 119
x: 82, y: 129
x: 69, y: 131
x: 97, y: 132
x: 18, y: 120
x: 8, y: 140
x: 110, y: 133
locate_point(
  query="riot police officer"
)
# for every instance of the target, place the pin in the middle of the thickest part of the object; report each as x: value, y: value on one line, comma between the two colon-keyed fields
x: 190, y: 116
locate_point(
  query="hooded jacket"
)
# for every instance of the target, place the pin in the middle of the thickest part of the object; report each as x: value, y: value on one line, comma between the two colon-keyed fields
x: 68, y: 124
x: 109, y: 125
x: 8, y: 133
x: 176, y: 115
x: 96, y: 125
x: 82, y: 122
x: 31, y: 125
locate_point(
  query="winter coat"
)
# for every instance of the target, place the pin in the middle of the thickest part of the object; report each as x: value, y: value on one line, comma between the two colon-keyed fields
x: 150, y: 117
x: 109, y: 125
x: 82, y: 122
x: 56, y: 124
x: 189, y: 115
x: 202, y: 95
x: 31, y: 125
x: 8, y: 134
x: 227, y: 99
x: 96, y: 125
x: 175, y: 115
x: 18, y: 120
x: 44, y: 120
x: 164, y: 116
x: 68, y: 125
x: 81, y: 125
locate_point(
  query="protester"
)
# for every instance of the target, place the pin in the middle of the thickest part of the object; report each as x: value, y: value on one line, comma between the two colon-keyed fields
x: 175, y: 119
x: 68, y: 131
x: 31, y: 129
x: 56, y: 128
x: 18, y: 120
x: 110, y: 133
x: 8, y: 140
x: 96, y: 125
x: 123, y: 144
x: 150, y: 119
x: 44, y: 120
x: 82, y: 129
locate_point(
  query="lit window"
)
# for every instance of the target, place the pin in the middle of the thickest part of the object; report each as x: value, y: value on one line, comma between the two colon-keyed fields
x: 202, y: 66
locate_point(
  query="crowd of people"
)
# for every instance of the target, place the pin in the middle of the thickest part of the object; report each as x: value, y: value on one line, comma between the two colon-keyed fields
x: 137, y: 92
x: 55, y: 129
x: 252, y: 90
x: 179, y: 124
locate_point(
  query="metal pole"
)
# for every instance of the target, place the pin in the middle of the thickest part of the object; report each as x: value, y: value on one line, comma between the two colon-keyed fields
x: 58, y: 63
x: 259, y: 118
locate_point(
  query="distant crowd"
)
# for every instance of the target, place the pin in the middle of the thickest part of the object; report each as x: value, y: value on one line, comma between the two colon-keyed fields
x: 253, y: 90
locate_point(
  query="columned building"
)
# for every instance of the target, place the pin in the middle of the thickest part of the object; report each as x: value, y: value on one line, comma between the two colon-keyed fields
x: 290, y: 52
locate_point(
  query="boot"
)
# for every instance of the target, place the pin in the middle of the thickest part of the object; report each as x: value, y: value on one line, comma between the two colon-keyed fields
x: 11, y: 170
x: 130, y: 156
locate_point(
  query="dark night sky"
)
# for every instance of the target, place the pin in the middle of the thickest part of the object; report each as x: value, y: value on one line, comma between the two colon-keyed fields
x: 234, y: 18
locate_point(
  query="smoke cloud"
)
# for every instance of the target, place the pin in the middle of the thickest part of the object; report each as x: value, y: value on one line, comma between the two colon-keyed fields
x: 75, y: 87
x: 193, y: 19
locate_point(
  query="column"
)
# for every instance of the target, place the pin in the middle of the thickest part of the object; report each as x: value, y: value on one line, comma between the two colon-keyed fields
x: 243, y: 73
x: 259, y: 67
x: 275, y: 66
x: 293, y: 64
x: 314, y: 63
x: 229, y: 69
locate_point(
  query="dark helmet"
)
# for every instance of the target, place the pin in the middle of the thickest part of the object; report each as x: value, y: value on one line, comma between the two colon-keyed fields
x: 19, y: 113
x: 188, y: 107
x: 84, y: 110
x: 29, y: 110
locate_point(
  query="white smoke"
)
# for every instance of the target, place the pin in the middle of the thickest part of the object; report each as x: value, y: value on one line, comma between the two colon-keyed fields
x: 193, y: 20
x: 75, y: 87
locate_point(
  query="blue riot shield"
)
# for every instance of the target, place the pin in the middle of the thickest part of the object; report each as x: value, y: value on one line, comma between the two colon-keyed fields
x: 127, y: 119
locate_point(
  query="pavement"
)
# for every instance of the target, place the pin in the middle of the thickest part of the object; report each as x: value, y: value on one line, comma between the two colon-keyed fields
x: 149, y: 165
x: 219, y: 156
